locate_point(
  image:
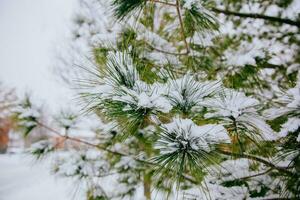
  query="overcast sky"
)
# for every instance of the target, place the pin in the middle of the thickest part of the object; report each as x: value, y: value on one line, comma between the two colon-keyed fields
x: 30, y: 31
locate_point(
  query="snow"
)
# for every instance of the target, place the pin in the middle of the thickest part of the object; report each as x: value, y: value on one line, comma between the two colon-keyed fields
x: 186, y: 132
x: 158, y: 42
x: 188, y: 92
x: 189, y: 3
x: 143, y: 95
x: 29, y: 112
x: 154, y: 39
x: 290, y: 126
x: 44, y: 145
x: 126, y: 163
x: 231, y: 104
x: 81, y: 165
x: 197, y: 4
x: 122, y: 84
x: 245, y: 55
x: 204, y: 39
x: 290, y: 101
x: 23, y: 179
x: 153, y: 101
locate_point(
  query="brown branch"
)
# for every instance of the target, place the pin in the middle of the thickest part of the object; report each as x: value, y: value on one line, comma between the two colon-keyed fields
x: 258, y: 159
x: 254, y: 175
x: 177, y: 5
x: 258, y: 16
x: 163, y: 2
x: 168, y: 52
x: 187, y: 177
x: 80, y: 140
x: 182, y: 27
x: 279, y: 198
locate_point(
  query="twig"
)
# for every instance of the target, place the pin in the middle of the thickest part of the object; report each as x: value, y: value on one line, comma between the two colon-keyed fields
x: 168, y: 52
x: 177, y: 5
x: 258, y: 159
x: 163, y: 2
x: 278, y: 198
x: 258, y: 16
x: 181, y: 26
x: 254, y: 175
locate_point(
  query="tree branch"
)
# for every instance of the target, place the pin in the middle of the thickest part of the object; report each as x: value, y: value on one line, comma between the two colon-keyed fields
x: 163, y: 2
x: 167, y: 52
x: 187, y: 177
x: 182, y: 27
x: 258, y: 159
x: 258, y: 16
x: 254, y: 175
x: 279, y: 198
x: 177, y: 6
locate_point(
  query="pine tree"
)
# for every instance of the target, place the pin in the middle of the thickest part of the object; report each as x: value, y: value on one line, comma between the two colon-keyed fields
x: 199, y: 99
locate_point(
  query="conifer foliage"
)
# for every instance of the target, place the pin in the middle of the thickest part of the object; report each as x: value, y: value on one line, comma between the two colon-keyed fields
x: 199, y: 99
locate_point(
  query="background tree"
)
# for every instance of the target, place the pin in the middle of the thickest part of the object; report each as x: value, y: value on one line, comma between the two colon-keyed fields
x: 7, y: 103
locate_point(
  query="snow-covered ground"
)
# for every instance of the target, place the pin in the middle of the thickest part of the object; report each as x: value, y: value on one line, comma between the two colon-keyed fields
x: 22, y: 178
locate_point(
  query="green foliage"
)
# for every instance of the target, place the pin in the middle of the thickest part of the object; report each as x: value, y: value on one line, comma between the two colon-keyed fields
x: 130, y: 119
x: 199, y: 20
x: 180, y: 38
x: 236, y: 182
x: 259, y: 193
x: 123, y: 8
x: 27, y: 116
x: 120, y: 71
x: 41, y: 149
x: 100, y: 55
x: 97, y: 198
x: 276, y: 123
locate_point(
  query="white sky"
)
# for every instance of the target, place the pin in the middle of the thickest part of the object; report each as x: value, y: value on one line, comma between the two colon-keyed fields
x: 30, y: 31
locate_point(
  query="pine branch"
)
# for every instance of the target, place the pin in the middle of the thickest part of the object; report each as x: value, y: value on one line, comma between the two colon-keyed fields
x: 187, y: 177
x: 123, y: 8
x: 258, y: 16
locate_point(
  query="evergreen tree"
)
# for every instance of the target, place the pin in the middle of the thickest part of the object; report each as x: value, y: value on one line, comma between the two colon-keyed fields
x: 199, y: 99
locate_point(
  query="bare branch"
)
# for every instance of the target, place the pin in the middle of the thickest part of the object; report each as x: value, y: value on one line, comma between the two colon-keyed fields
x: 163, y: 2
x: 258, y: 16
x: 182, y: 27
x: 258, y: 159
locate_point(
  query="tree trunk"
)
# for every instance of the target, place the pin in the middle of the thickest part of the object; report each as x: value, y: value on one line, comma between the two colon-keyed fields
x: 147, y: 186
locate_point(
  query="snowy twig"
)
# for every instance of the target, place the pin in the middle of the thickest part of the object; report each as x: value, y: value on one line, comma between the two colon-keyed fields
x: 258, y: 16
x: 261, y: 160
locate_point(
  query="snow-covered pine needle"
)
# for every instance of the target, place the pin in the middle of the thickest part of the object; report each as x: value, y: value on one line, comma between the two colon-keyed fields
x: 186, y: 93
x: 185, y: 146
x: 239, y: 112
